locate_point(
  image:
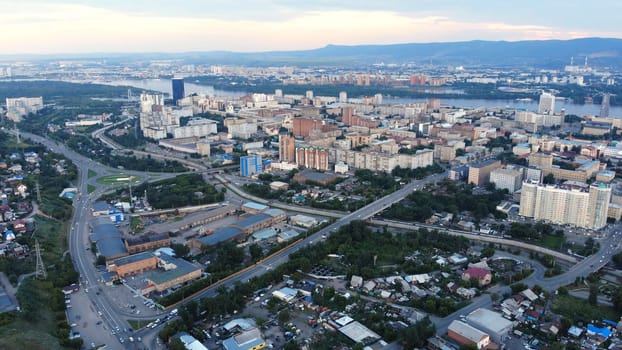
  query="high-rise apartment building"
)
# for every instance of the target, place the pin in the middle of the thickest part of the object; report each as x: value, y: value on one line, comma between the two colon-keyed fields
x: 349, y: 119
x: 507, y: 178
x: 479, y: 173
x: 287, y: 146
x: 572, y: 203
x: 178, y: 89
x: 604, y: 106
x: 343, y: 97
x: 312, y: 157
x: 547, y: 103
x: 250, y: 165
x: 16, y: 108
x: 147, y: 101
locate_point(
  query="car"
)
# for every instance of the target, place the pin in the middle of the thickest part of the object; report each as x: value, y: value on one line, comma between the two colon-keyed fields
x: 98, y: 322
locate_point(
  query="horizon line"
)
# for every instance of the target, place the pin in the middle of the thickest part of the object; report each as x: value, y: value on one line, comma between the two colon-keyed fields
x: 128, y: 53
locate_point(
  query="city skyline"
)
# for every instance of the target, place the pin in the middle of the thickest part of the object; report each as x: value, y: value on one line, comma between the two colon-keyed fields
x: 72, y: 26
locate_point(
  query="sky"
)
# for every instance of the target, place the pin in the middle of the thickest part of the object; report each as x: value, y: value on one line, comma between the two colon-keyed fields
x: 94, y: 26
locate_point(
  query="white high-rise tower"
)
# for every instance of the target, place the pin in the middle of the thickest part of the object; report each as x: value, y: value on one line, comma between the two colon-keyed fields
x: 547, y: 103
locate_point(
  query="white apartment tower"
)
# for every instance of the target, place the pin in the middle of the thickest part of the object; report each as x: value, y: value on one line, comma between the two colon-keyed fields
x: 149, y: 100
x: 343, y: 97
x: 547, y: 103
x: 576, y: 204
x: 507, y: 178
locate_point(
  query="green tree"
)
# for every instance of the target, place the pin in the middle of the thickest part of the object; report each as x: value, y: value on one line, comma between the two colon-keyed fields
x: 593, y: 296
x: 284, y: 316
x: 255, y: 252
x: 617, y: 299
x: 101, y: 260
x: 176, y: 344
x: 488, y: 251
x: 180, y: 250
x: 291, y: 345
x: 549, y: 179
x: 416, y: 335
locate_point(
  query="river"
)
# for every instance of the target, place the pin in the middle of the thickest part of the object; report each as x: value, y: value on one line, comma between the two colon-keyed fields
x: 164, y: 85
x: 569, y: 107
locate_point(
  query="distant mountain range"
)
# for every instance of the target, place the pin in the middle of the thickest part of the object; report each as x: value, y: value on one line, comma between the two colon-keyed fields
x: 540, y: 53
x: 533, y: 53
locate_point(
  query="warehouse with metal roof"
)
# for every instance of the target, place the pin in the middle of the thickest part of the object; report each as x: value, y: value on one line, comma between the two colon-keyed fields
x: 224, y: 234
x: 107, y: 239
x: 251, y: 223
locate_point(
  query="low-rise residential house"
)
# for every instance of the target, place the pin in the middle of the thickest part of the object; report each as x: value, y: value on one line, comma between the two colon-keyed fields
x: 467, y: 293
x: 483, y: 276
x: 467, y: 335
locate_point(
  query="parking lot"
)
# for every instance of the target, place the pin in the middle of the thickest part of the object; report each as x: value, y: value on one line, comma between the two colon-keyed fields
x: 126, y: 299
x: 86, y: 320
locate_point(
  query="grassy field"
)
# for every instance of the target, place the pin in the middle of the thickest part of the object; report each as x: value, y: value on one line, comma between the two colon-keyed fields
x: 90, y: 188
x: 138, y: 324
x: 52, y: 236
x: 92, y: 173
x: 41, y: 324
x: 552, y: 242
x: 134, y: 222
x: 579, y: 309
x: 119, y: 179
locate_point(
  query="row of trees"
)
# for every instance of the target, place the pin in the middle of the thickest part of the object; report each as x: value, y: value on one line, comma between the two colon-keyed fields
x: 449, y: 197
x: 180, y: 191
x: 417, y: 173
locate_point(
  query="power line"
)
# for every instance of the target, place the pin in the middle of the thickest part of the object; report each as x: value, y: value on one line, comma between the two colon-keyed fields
x: 40, y: 272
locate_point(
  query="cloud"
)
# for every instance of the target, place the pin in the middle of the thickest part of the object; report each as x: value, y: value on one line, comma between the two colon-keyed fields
x: 56, y: 28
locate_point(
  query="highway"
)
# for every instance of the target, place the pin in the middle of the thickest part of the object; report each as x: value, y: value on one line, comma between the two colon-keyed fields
x: 361, y: 214
x: 112, y: 316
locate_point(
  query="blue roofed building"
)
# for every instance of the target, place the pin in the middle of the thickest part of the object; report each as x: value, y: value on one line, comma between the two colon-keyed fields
x: 263, y: 234
x: 190, y: 342
x: 221, y: 235
x: 252, y: 223
x: 100, y: 208
x: 107, y: 239
x: 253, y: 207
x: 171, y: 272
x: 602, y: 332
x: 277, y: 214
